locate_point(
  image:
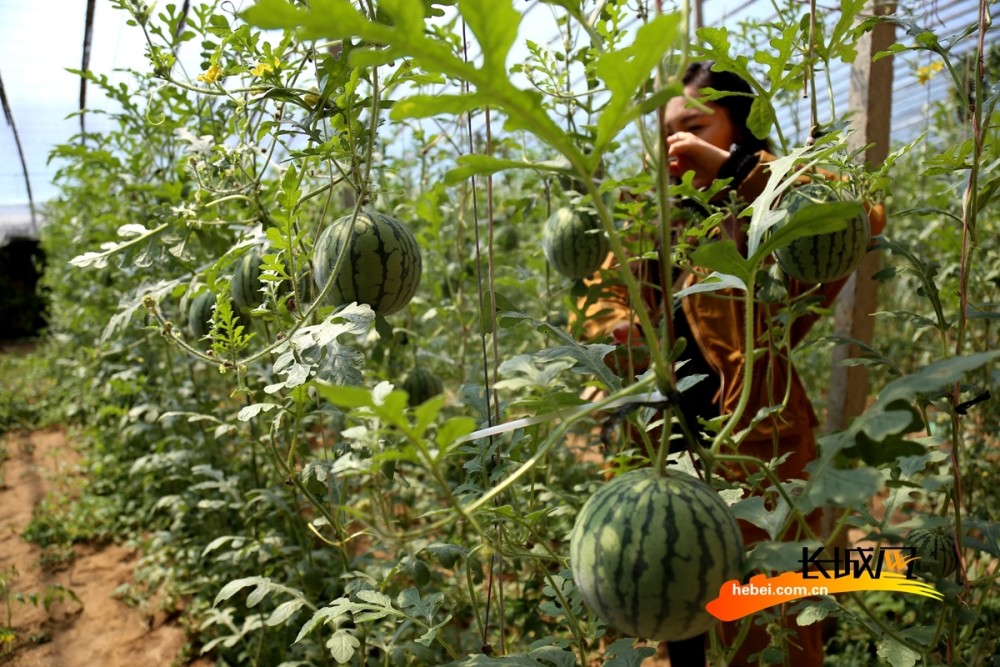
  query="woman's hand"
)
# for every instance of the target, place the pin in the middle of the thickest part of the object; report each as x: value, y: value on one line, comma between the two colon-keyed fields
x: 688, y: 152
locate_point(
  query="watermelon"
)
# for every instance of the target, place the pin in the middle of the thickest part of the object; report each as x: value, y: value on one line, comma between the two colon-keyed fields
x: 649, y: 552
x: 505, y: 237
x: 382, y: 266
x: 574, y: 243
x: 200, y: 314
x: 246, y: 282
x: 936, y: 550
x: 422, y: 385
x: 823, y: 258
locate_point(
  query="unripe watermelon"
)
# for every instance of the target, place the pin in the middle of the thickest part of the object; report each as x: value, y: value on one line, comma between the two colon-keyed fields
x: 938, y: 557
x: 200, y: 314
x: 574, y: 243
x: 823, y: 258
x: 422, y: 385
x: 505, y: 237
x: 246, y: 282
x: 382, y: 266
x: 649, y: 552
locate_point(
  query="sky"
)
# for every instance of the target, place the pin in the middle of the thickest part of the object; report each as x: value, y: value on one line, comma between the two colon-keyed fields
x: 38, y: 41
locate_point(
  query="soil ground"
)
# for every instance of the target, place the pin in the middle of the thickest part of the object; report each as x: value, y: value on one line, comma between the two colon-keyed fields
x: 87, y: 623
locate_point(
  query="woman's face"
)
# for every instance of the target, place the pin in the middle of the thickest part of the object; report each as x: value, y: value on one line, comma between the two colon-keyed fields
x: 713, y: 126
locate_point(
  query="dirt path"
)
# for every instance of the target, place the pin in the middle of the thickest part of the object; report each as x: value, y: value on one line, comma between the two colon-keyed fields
x: 85, y: 624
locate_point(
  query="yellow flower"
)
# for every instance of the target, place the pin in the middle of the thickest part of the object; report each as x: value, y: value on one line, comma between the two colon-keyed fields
x: 927, y: 72
x: 212, y: 74
x: 264, y: 67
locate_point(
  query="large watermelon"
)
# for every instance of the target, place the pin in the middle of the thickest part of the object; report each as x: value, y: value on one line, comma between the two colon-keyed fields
x: 574, y: 243
x: 823, y: 258
x: 200, y: 314
x: 246, y: 281
x: 382, y: 266
x: 936, y: 550
x: 649, y: 552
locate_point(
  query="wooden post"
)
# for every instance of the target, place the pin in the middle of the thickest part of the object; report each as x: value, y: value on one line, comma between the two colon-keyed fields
x: 871, y: 107
x: 870, y: 101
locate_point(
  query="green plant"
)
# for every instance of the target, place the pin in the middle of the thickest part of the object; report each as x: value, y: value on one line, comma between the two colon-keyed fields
x: 280, y: 483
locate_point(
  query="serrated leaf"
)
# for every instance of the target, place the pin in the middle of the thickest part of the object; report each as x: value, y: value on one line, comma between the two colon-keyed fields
x: 625, y: 71
x: 495, y: 25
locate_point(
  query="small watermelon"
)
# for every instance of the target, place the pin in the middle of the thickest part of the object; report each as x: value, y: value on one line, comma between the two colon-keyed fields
x: 421, y: 385
x: 648, y: 553
x: 382, y: 267
x: 936, y: 551
x: 823, y: 258
x: 574, y: 243
x: 246, y: 281
x: 200, y: 314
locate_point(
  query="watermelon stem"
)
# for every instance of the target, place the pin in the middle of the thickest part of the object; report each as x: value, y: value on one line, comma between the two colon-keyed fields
x: 748, y: 346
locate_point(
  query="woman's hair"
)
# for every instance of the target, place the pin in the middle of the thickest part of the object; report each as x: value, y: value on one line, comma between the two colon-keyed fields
x: 700, y: 75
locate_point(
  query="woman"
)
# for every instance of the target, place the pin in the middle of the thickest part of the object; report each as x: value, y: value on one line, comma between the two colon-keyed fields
x: 712, y: 141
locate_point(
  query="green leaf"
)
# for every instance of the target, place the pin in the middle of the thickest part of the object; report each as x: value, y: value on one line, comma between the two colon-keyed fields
x: 495, y: 25
x: 896, y: 654
x: 345, y: 397
x: 814, y: 613
x: 332, y: 19
x: 808, y: 221
x: 427, y: 106
x: 926, y: 381
x: 343, y: 644
x: 234, y: 587
x: 623, y: 653
x: 753, y: 510
x: 470, y: 165
x: 626, y: 71
x: 713, y: 283
x: 284, y: 611
x: 545, y: 656
x: 724, y: 257
x: 828, y: 485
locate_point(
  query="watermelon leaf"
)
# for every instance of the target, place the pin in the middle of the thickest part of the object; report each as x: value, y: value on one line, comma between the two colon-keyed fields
x: 623, y: 654
x: 821, y: 218
x: 724, y: 257
x: 495, y: 25
x: 626, y: 70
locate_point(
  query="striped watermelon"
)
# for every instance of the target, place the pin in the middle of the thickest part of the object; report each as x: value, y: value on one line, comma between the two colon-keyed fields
x: 246, y: 281
x: 574, y: 244
x: 382, y: 266
x: 649, y: 552
x: 200, y: 314
x: 938, y: 556
x: 422, y: 385
x: 823, y: 258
